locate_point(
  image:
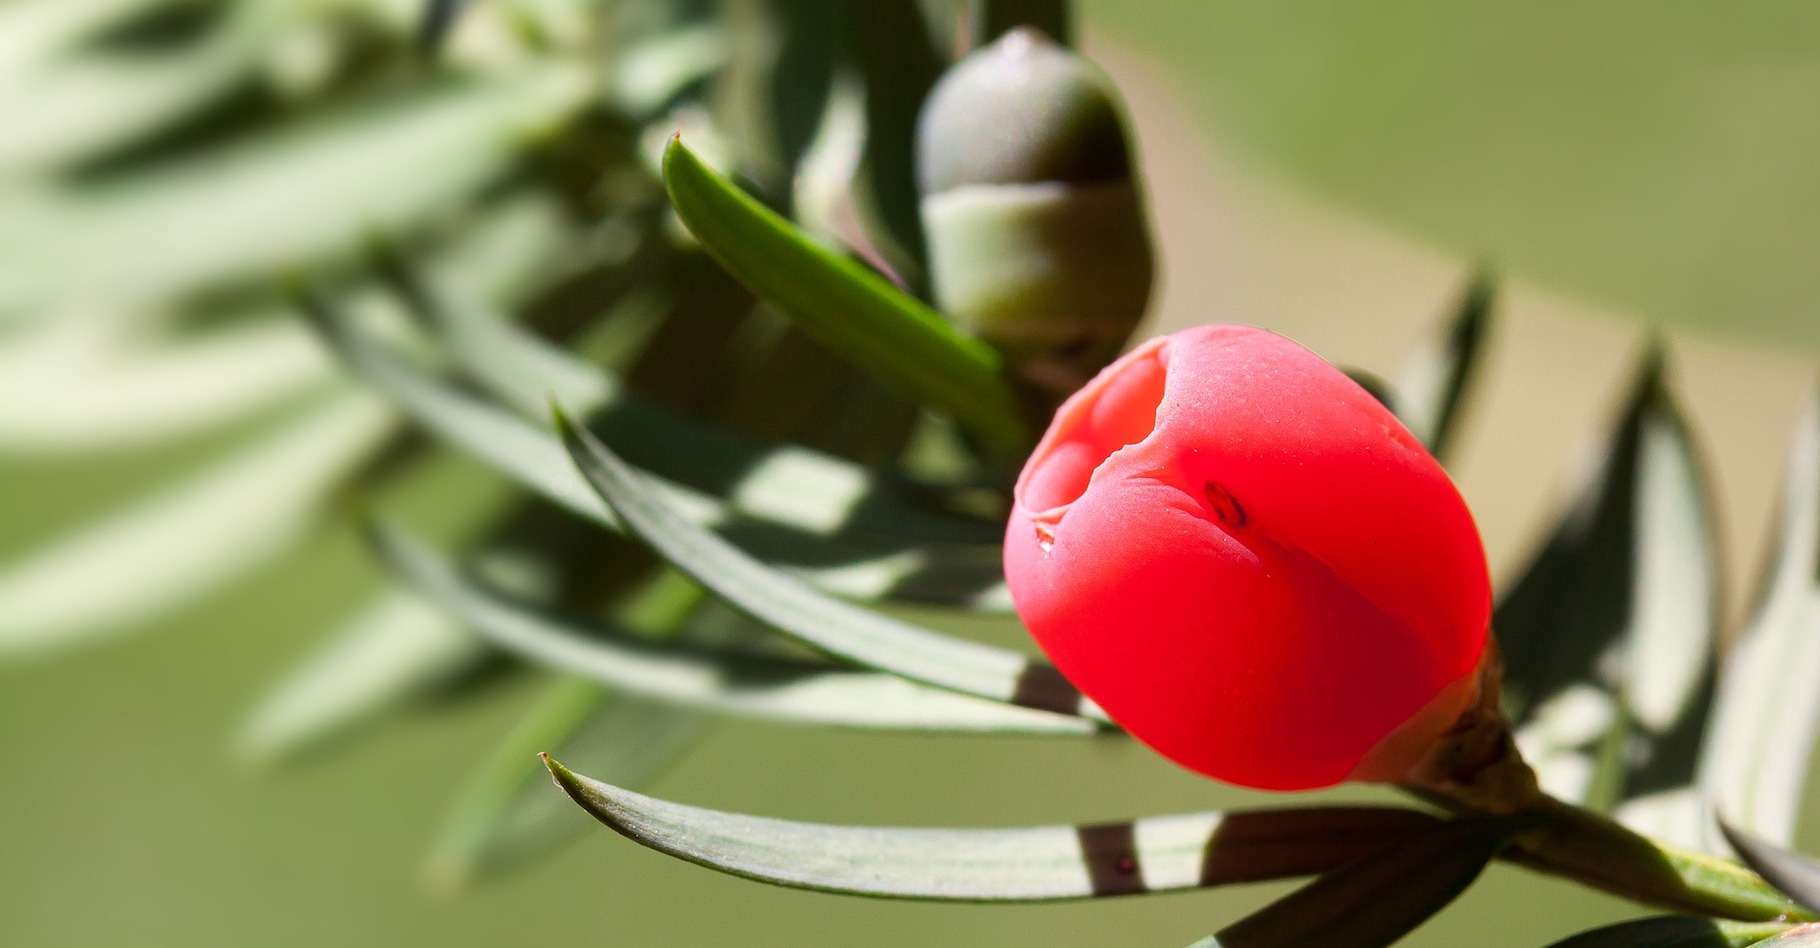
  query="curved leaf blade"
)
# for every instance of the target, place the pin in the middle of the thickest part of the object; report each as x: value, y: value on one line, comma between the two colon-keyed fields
x: 1768, y: 711
x: 1432, y: 386
x: 838, y: 628
x: 1618, y: 616
x: 1673, y: 931
x: 1036, y: 863
x: 394, y: 649
x: 107, y: 384
x: 190, y: 537
x: 1378, y: 899
x: 849, y: 309
x: 382, y: 166
x: 505, y: 816
x: 810, y: 495
x: 721, y: 681
x: 78, y: 107
x: 1793, y: 873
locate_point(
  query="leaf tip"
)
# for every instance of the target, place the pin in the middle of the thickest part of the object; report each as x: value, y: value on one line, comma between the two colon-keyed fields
x: 561, y: 422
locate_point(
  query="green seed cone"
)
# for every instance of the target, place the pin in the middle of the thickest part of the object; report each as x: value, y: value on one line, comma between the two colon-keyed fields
x: 1035, y: 222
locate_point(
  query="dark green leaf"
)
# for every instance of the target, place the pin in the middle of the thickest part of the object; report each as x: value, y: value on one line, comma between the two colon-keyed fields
x: 799, y: 505
x: 1793, y: 873
x: 898, y: 64
x: 439, y: 18
x: 849, y: 309
x: 1432, y: 386
x: 1673, y: 931
x: 840, y: 629
x: 718, y: 680
x: 1151, y: 854
x: 1378, y: 899
x: 1768, y: 711
x: 1610, y: 631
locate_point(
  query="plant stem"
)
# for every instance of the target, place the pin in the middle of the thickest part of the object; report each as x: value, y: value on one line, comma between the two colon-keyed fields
x: 1578, y: 844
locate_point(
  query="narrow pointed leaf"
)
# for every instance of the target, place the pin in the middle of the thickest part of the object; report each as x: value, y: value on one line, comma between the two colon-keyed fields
x: 101, y: 385
x: 78, y: 107
x: 393, y: 650
x: 1768, y: 715
x: 113, y: 379
x: 385, y: 166
x: 1150, y: 854
x: 506, y: 815
x: 1377, y: 899
x: 1434, y: 382
x: 1618, y: 616
x: 818, y: 499
x: 849, y: 309
x: 522, y: 369
x: 33, y: 31
x: 1793, y: 873
x: 898, y: 62
x: 439, y: 18
x: 1673, y: 931
x: 808, y: 488
x: 723, y: 681
x: 189, y: 538
x: 838, y: 628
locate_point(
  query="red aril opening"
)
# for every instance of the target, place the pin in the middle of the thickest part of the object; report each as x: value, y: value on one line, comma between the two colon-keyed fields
x: 1116, y: 409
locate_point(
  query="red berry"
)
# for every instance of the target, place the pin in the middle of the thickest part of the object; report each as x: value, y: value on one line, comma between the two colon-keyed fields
x: 1250, y: 564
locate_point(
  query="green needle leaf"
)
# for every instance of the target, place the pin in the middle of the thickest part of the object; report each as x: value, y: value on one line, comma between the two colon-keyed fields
x: 1609, y: 633
x: 394, y: 649
x: 828, y: 511
x: 505, y: 815
x: 722, y: 681
x: 438, y: 20
x: 1151, y: 854
x: 99, y: 384
x: 261, y: 207
x: 1768, y: 714
x: 190, y: 537
x: 77, y: 107
x: 1674, y: 931
x: 840, y: 629
x: 1378, y: 899
x: 1793, y: 873
x: 1433, y: 384
x: 848, y: 308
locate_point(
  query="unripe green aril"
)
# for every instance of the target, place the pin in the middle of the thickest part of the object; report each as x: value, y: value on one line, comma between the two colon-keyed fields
x: 1035, y: 224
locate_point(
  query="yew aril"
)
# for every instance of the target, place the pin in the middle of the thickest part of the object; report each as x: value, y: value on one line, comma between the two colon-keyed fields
x: 1250, y: 564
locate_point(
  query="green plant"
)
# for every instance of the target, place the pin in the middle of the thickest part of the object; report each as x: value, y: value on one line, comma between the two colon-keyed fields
x: 805, y: 447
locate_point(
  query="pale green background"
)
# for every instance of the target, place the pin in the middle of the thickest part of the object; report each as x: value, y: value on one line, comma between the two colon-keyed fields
x: 1650, y: 157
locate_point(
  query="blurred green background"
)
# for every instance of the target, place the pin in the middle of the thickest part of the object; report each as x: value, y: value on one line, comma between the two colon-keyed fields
x: 1325, y: 169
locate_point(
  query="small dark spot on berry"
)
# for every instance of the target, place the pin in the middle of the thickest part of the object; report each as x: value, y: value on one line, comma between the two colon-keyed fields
x: 1225, y: 506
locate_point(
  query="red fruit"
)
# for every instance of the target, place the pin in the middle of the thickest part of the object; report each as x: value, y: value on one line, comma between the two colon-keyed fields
x: 1250, y: 564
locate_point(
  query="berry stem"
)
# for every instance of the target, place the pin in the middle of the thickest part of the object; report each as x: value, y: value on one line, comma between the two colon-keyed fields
x: 1476, y: 769
x: 1576, y: 843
